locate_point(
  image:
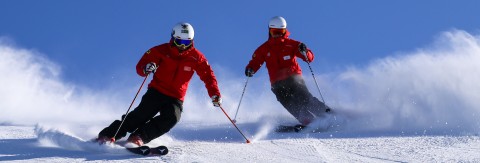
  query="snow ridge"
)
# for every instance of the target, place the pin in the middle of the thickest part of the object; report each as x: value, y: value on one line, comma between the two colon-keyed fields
x: 60, y: 139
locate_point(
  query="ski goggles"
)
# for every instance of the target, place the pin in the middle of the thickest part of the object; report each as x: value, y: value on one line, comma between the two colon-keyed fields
x: 277, y: 31
x: 180, y: 42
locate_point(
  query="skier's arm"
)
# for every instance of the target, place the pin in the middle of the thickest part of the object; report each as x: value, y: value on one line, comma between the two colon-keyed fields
x: 150, y: 56
x: 205, y: 72
x: 258, y: 58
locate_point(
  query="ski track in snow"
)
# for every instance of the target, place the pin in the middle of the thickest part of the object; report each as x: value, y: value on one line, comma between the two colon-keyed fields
x: 27, y: 143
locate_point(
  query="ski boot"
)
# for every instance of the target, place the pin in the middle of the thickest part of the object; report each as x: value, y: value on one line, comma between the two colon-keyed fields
x: 135, y: 139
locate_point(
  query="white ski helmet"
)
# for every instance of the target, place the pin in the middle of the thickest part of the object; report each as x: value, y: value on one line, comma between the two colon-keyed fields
x: 277, y: 22
x: 183, y: 31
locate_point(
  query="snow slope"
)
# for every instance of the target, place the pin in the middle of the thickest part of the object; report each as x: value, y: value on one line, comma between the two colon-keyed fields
x: 20, y: 143
x: 419, y: 106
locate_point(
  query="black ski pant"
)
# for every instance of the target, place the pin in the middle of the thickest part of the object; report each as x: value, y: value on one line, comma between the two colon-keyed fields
x: 143, y: 121
x: 293, y: 94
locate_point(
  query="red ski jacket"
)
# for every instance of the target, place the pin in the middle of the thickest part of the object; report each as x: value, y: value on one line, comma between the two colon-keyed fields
x: 280, y: 56
x: 175, y: 69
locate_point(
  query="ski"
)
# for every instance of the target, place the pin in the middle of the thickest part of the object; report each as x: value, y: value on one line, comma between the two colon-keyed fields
x: 160, y: 150
x: 286, y: 128
x: 142, y: 150
x: 146, y: 150
x: 298, y: 129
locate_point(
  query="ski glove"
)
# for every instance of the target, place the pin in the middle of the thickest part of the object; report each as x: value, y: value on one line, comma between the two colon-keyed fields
x: 249, y: 72
x: 150, y: 67
x: 303, y: 49
x: 216, y: 100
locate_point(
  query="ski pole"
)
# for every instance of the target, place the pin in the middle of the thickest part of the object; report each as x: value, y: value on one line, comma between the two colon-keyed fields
x: 248, y: 141
x: 314, y: 79
x: 126, y: 114
x: 241, y: 97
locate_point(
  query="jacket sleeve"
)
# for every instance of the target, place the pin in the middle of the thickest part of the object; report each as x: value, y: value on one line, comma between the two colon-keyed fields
x: 310, y: 55
x: 152, y: 55
x: 258, y: 58
x: 205, y: 72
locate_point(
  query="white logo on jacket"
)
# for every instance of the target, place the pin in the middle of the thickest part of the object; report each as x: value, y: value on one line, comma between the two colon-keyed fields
x: 286, y: 57
x: 187, y: 68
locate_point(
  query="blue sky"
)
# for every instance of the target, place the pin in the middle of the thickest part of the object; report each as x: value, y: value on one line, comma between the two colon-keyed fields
x: 97, y: 42
x: 394, y: 65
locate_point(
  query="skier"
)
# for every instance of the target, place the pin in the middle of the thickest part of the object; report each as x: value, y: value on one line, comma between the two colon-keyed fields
x: 172, y: 65
x: 279, y: 53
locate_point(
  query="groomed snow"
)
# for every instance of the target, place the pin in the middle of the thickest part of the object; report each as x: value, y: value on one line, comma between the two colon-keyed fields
x: 20, y: 143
